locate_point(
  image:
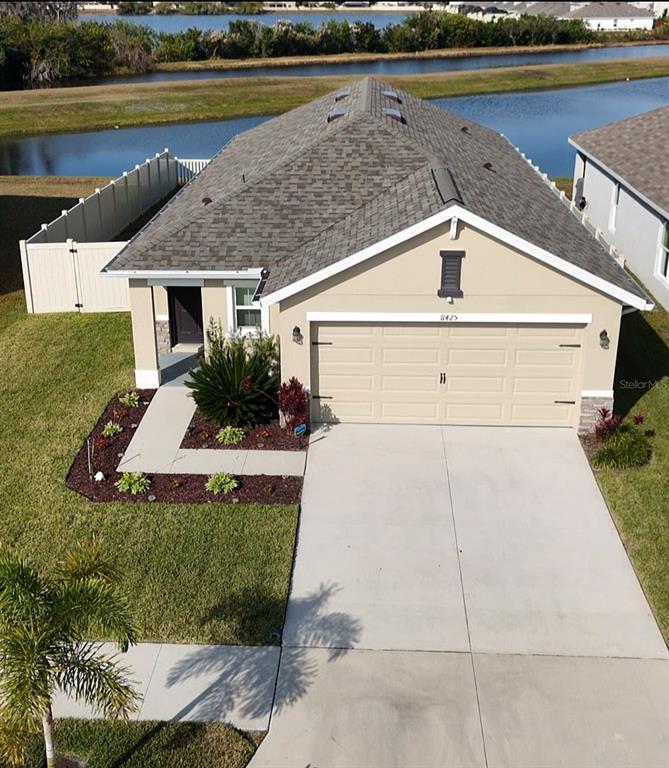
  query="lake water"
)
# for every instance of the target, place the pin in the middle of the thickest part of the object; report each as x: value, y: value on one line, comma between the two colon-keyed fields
x: 180, y: 22
x: 403, y: 67
x: 538, y: 122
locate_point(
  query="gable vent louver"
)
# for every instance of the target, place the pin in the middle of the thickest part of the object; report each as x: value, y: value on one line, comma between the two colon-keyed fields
x: 335, y: 114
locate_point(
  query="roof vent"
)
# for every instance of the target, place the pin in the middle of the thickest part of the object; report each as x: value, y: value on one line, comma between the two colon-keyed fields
x: 392, y: 95
x: 394, y: 114
x: 488, y: 167
x: 465, y: 129
x: 342, y: 94
x: 446, y: 186
x: 206, y: 200
x: 335, y: 113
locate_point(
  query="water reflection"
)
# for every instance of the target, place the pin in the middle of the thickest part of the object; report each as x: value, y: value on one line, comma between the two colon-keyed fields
x: 538, y: 122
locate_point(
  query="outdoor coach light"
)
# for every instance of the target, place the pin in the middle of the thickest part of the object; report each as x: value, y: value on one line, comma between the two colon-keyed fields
x: 297, y: 335
x: 604, y: 340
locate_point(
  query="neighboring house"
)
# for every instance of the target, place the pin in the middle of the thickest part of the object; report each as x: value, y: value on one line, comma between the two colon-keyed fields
x: 613, y: 17
x: 414, y: 267
x: 607, y: 16
x: 622, y: 180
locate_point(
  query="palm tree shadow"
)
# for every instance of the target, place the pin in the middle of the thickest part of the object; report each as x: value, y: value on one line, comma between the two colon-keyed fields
x: 243, y: 680
x: 643, y: 362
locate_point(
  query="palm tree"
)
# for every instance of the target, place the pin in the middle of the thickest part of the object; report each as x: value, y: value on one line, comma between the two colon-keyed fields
x: 45, y: 628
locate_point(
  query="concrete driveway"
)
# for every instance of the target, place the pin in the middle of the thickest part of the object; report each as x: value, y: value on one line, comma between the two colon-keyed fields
x: 461, y: 597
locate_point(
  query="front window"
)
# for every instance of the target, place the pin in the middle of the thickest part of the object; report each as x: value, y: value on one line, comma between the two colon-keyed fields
x: 664, y: 251
x: 247, y: 317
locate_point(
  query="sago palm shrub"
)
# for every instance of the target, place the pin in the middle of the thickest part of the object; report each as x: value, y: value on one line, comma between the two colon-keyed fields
x: 236, y: 385
x: 46, y: 626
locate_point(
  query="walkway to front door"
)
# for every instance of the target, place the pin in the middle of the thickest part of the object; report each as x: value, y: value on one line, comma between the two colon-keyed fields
x: 461, y: 597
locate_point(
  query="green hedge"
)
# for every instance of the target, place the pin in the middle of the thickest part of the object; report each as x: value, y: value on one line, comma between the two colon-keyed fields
x: 42, y: 52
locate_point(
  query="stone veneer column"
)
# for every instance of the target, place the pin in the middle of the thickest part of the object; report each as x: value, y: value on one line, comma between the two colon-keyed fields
x: 589, y: 412
x: 163, y: 337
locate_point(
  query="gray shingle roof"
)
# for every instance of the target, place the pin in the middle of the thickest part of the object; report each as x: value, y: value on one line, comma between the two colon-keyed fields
x: 299, y: 193
x: 610, y: 10
x: 636, y: 150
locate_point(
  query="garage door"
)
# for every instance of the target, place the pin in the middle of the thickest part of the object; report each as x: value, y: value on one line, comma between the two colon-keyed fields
x: 445, y: 374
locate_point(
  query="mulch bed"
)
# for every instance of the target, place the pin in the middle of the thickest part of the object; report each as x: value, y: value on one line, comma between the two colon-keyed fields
x: 590, y: 444
x: 201, y: 433
x: 168, y: 488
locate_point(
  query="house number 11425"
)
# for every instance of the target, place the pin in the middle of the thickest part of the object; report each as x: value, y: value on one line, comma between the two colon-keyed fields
x: 448, y: 318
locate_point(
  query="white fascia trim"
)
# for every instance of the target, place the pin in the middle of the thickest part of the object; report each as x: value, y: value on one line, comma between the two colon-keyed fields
x: 162, y: 317
x: 177, y: 282
x: 185, y: 274
x: 504, y: 318
x: 596, y: 161
x: 479, y: 223
x: 597, y: 393
x: 147, y: 379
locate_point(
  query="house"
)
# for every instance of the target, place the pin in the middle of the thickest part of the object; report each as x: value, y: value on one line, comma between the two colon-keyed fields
x: 621, y: 179
x: 607, y: 16
x: 613, y: 17
x: 413, y: 265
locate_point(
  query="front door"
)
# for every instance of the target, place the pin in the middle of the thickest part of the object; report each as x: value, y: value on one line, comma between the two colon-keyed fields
x: 186, y: 315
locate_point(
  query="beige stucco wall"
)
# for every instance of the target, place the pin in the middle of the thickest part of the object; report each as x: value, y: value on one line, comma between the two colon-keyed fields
x: 214, y: 305
x: 143, y: 332
x: 160, y: 301
x: 495, y: 278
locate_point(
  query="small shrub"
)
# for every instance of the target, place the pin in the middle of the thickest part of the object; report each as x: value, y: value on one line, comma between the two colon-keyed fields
x: 230, y: 435
x: 607, y: 425
x: 236, y: 385
x: 111, y: 429
x: 221, y: 482
x: 133, y: 483
x: 293, y: 402
x: 628, y: 447
x: 130, y: 399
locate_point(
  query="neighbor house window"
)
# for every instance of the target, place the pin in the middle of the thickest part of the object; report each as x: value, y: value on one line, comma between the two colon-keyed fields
x: 451, y: 272
x: 247, y: 317
x: 664, y: 251
x: 615, y: 199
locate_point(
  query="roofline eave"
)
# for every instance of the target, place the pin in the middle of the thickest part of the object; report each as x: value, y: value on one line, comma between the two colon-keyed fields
x: 458, y: 212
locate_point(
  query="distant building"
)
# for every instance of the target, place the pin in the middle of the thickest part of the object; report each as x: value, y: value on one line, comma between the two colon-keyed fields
x: 621, y: 182
x: 613, y: 17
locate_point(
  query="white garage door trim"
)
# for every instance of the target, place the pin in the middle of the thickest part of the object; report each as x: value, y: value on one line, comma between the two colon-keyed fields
x: 450, y: 317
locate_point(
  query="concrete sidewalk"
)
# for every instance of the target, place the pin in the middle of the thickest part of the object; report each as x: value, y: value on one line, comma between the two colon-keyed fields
x: 155, y: 445
x: 204, y: 683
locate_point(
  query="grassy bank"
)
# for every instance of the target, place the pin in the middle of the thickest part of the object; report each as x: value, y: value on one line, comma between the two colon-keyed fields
x: 356, y: 58
x: 98, y: 107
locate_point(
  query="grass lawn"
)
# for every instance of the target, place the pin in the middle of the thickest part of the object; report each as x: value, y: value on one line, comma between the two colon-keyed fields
x: 202, y: 573
x: 639, y: 498
x: 151, y: 745
x: 91, y: 107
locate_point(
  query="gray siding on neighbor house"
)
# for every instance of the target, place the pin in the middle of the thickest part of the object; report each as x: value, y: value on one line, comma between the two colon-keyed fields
x: 637, y: 228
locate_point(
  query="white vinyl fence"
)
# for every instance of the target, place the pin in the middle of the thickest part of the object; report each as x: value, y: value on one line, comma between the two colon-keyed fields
x: 62, y: 261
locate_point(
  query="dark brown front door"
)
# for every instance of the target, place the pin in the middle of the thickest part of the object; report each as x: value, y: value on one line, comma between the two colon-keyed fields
x: 186, y: 315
